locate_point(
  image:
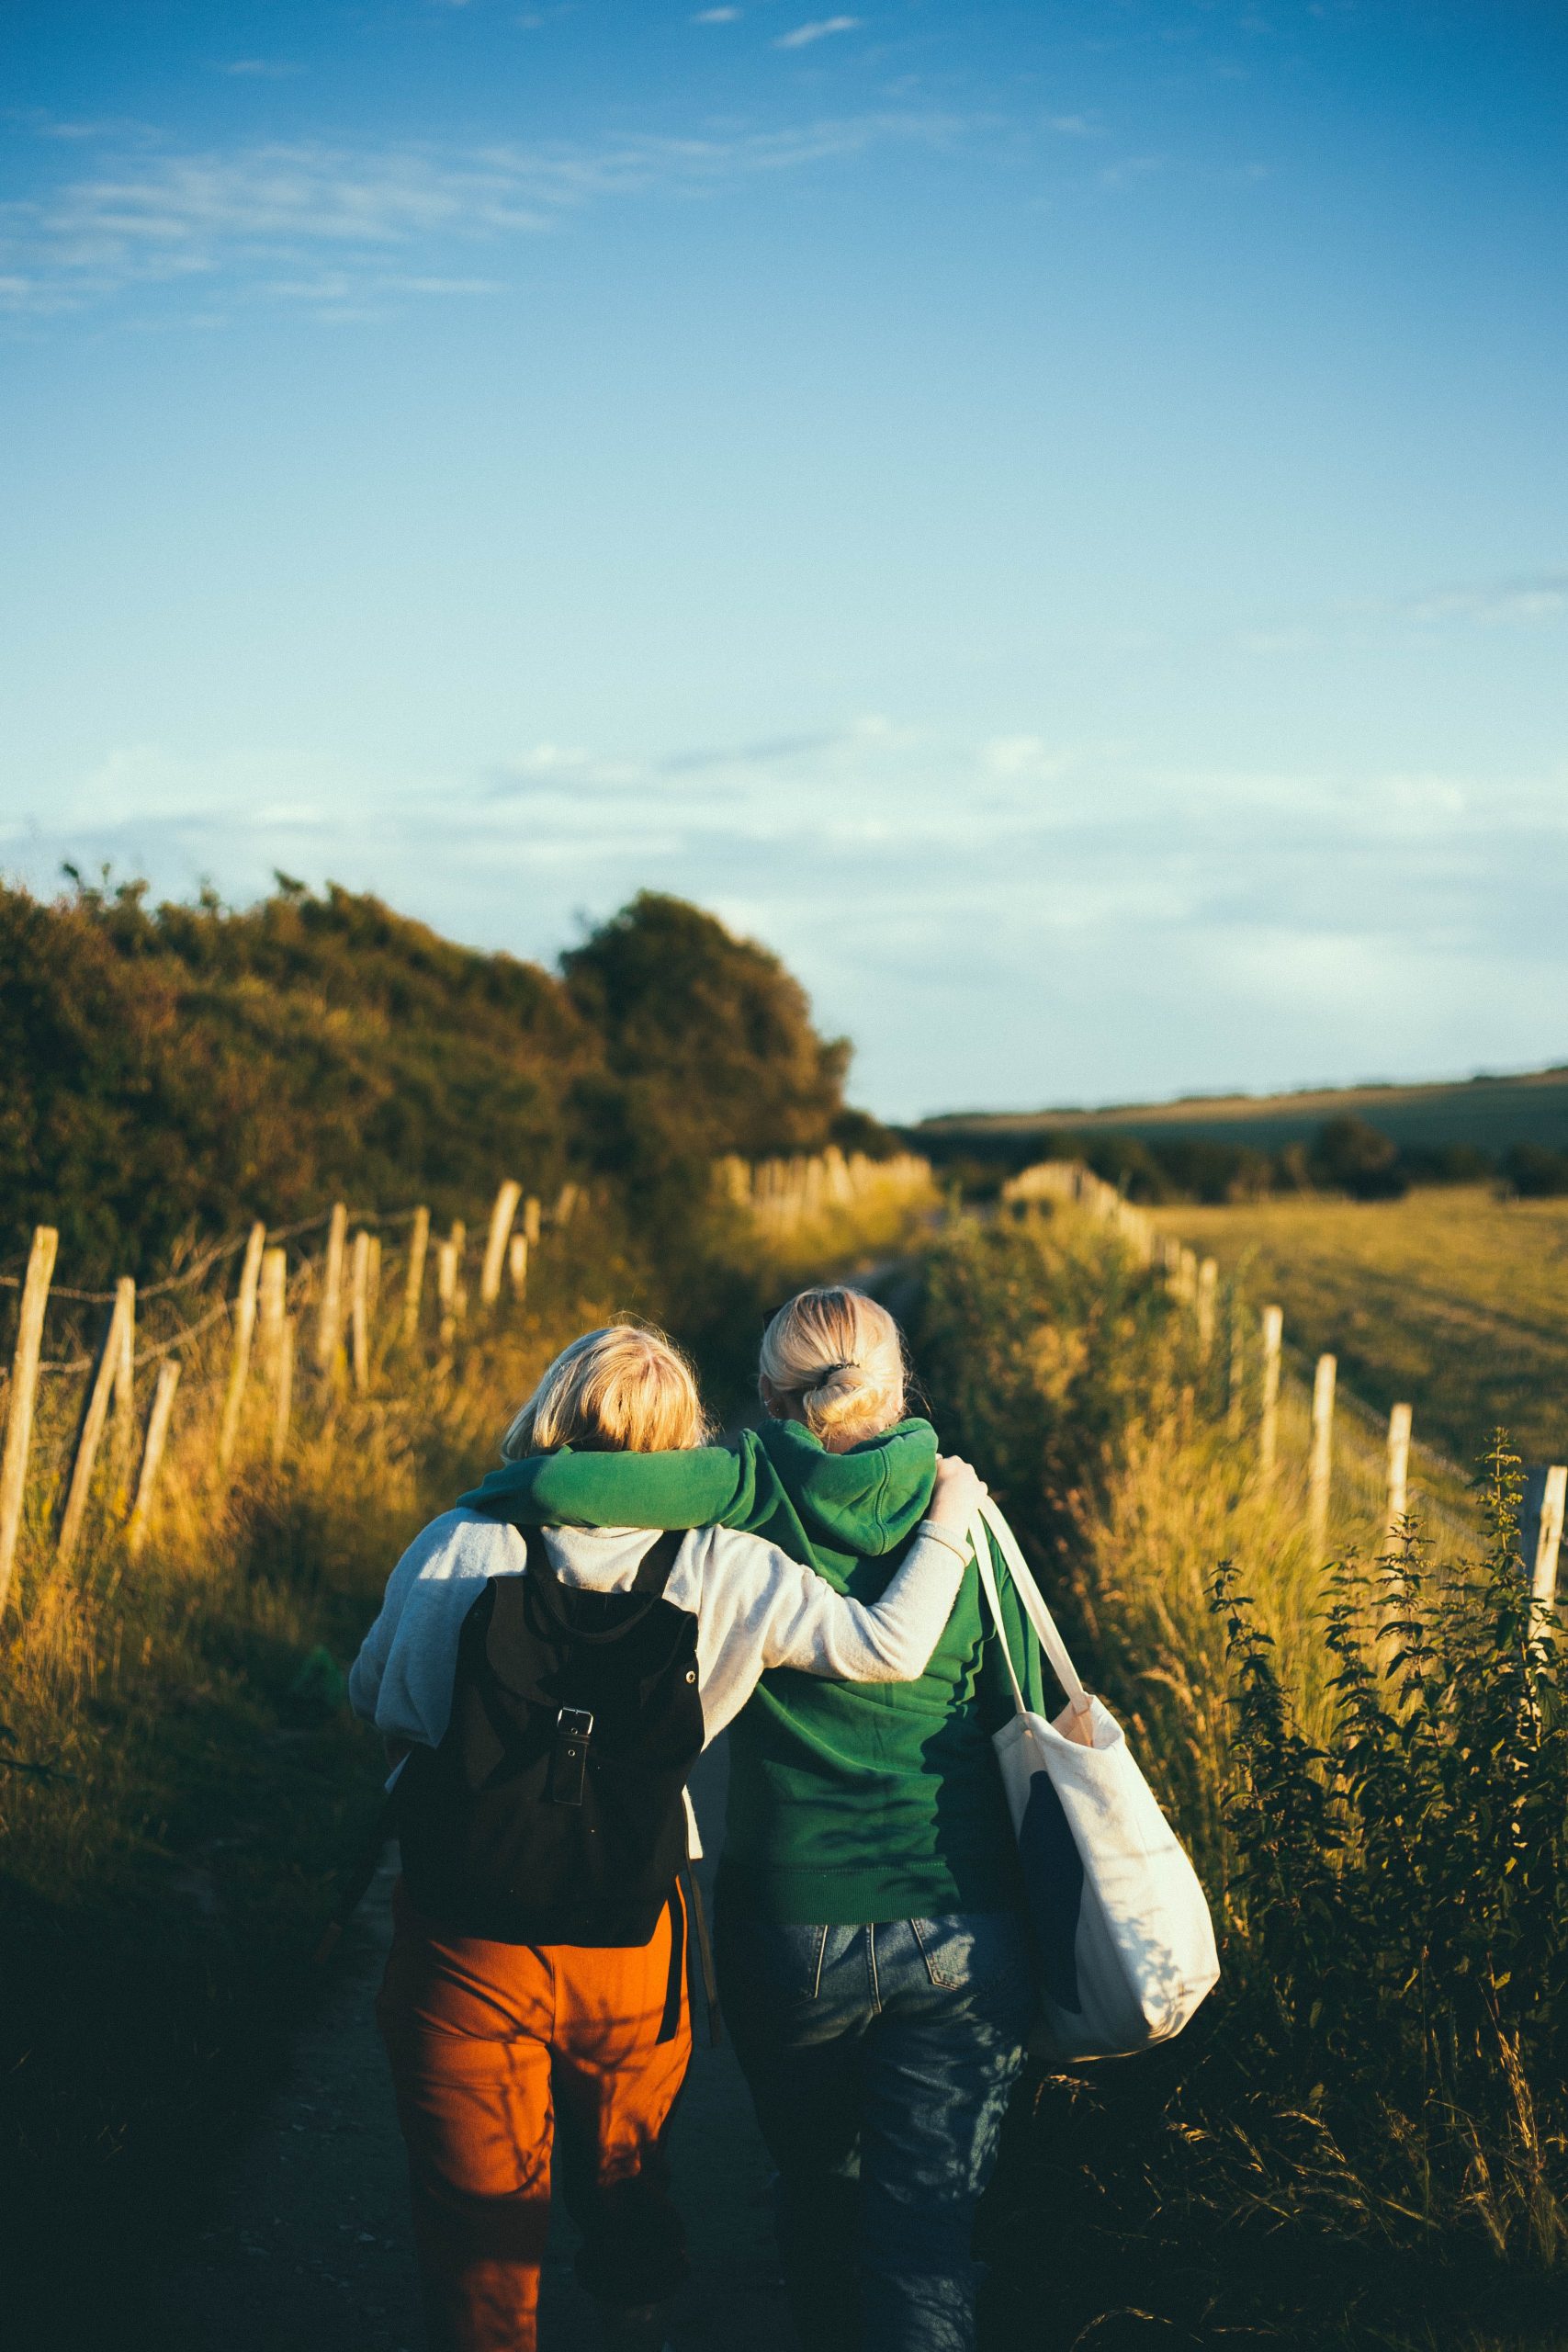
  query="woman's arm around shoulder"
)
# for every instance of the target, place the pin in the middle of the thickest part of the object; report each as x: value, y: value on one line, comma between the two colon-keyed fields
x: 758, y: 1608
x: 691, y: 1487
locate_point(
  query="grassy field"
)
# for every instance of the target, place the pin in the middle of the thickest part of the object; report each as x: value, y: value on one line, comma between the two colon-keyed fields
x: 1454, y: 1301
x: 1490, y: 1112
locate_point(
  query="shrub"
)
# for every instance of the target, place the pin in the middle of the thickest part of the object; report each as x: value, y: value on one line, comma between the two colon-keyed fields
x: 1349, y: 1155
x: 1398, y: 1890
x: 1535, y: 1171
x: 1447, y: 1163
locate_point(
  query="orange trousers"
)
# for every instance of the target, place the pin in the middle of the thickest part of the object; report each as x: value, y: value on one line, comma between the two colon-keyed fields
x: 499, y: 2052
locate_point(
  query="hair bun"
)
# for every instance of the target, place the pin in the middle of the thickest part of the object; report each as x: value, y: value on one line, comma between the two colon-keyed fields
x: 840, y: 1354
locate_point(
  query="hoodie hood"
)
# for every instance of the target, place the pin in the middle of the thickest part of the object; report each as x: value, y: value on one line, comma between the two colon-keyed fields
x: 868, y: 1500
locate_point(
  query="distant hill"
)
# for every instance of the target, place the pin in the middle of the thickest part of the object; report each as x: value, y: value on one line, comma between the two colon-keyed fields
x: 1488, y: 1113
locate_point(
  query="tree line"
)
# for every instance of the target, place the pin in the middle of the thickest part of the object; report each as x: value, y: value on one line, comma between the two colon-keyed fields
x: 1346, y: 1155
x: 174, y: 1068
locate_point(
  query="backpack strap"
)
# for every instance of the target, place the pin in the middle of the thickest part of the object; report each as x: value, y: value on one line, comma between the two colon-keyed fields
x: 654, y: 1568
x: 670, y: 2023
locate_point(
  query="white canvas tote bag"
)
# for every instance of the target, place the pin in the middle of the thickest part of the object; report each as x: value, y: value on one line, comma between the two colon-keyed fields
x: 1126, y: 1942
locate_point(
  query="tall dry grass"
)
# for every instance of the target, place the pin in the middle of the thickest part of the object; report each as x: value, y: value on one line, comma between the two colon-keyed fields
x: 1364, y: 1746
x: 181, y: 1790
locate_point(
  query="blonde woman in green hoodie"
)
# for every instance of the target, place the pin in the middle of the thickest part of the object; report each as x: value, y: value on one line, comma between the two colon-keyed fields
x: 874, y: 1961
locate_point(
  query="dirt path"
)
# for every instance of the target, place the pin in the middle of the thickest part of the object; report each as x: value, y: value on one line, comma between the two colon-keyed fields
x: 312, y: 2252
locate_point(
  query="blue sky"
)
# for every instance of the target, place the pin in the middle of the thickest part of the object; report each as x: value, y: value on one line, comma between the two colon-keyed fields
x: 1052, y: 516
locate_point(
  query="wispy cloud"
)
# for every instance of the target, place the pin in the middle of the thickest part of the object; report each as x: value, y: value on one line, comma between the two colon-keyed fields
x: 716, y: 16
x: 1025, y: 755
x: 804, y: 35
x: 781, y: 752
x: 1286, y: 640
x: 1130, y: 170
x: 1539, y: 596
x: 1528, y: 600
x: 233, y: 216
x: 260, y: 69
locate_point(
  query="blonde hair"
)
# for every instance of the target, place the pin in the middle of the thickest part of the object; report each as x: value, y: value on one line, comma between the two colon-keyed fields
x: 623, y: 1389
x: 837, y: 1357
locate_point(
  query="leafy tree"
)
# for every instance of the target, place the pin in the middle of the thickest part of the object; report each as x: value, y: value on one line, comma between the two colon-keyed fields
x: 709, y: 1036
x: 1535, y: 1171
x: 172, y: 1071
x: 1349, y: 1155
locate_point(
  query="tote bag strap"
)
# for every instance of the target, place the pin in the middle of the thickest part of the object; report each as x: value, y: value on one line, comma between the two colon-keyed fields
x: 1031, y: 1600
x: 982, y: 1548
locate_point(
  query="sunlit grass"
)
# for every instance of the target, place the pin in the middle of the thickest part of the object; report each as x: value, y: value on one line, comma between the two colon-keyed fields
x: 1367, y: 1762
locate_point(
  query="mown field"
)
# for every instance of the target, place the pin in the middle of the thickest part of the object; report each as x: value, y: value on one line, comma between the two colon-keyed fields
x: 1454, y: 1301
x: 1489, y: 1112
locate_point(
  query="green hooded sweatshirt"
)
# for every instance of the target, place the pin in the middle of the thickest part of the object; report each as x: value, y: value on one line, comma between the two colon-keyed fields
x: 847, y: 1801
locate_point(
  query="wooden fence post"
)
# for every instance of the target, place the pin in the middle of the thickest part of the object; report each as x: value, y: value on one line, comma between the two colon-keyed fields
x: 95, y: 1413
x: 446, y: 1290
x: 1398, y: 1465
x: 1236, y: 1381
x: 566, y: 1201
x: 245, y: 1331
x: 373, y: 1276
x: 413, y: 1286
x: 359, y: 1310
x: 329, y: 1322
x: 124, y: 1443
x: 1273, y: 1325
x: 530, y: 1214
x: 24, y: 1393
x: 1543, y: 1576
x: 273, y: 1303
x: 152, y: 1452
x: 1208, y: 1285
x: 1322, y: 1448
x: 501, y: 1218
x: 283, y: 1392
x: 517, y: 1264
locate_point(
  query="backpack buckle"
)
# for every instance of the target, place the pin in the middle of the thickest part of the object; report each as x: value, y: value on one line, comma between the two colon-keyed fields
x: 569, y: 1759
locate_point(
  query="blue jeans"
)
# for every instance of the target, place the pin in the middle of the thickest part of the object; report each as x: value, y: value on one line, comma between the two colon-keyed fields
x: 880, y: 2059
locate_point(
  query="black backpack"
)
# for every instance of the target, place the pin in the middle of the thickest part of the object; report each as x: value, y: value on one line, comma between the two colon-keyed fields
x: 552, y: 1811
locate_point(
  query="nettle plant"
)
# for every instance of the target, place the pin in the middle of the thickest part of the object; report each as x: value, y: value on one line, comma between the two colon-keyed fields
x: 1399, y: 1894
